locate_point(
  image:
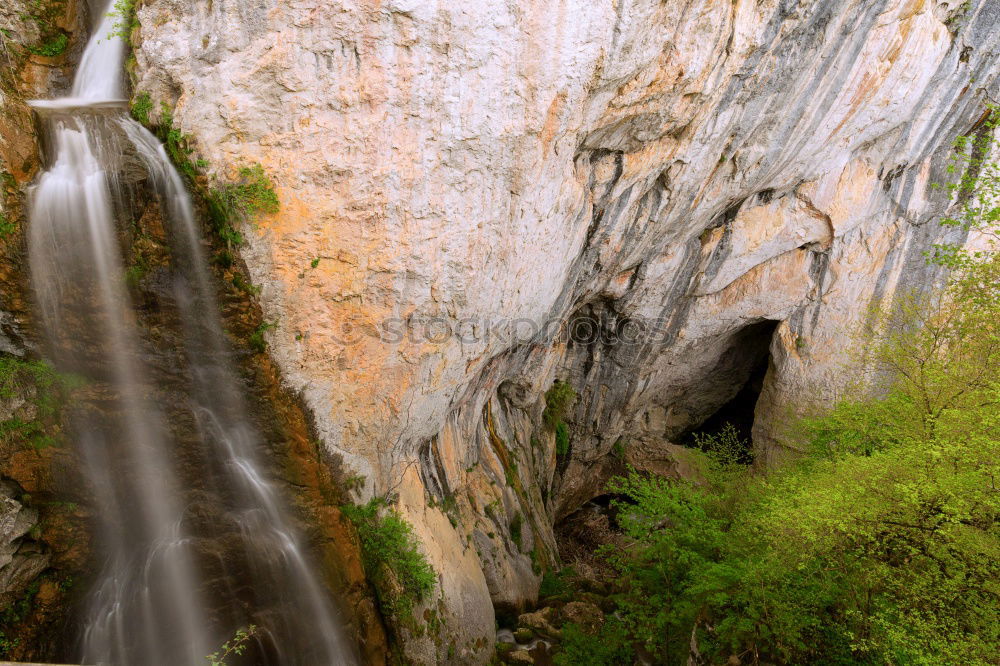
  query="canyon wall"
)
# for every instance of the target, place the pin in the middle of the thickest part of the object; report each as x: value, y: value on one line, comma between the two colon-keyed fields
x: 646, y: 199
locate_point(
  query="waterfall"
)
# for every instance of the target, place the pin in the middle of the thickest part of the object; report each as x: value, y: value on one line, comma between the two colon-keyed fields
x: 158, y: 599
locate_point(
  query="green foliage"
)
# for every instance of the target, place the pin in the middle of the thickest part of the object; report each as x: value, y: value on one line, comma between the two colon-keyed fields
x: 557, y: 399
x: 175, y: 142
x: 125, y: 19
x: 724, y: 447
x: 400, y: 573
x: 256, y: 340
x: 556, y: 583
x: 53, y: 41
x: 229, y: 204
x: 51, y: 47
x: 234, y: 647
x: 6, y: 226
x: 141, y: 107
x: 241, y: 284
x: 314, y: 263
x: 15, y: 613
x: 562, y: 439
x: 45, y: 390
x: 515, y: 529
x: 251, y: 195
x: 609, y: 646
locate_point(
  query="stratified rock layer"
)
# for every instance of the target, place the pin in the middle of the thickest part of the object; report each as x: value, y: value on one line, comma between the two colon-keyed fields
x: 480, y: 197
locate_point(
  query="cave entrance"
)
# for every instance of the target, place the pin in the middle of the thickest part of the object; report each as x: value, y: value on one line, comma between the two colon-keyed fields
x: 743, y: 365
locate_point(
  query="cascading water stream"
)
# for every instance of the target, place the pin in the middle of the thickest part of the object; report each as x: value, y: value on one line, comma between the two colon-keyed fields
x: 153, y: 603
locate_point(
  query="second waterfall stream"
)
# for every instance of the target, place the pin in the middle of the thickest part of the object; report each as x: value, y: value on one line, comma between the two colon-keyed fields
x: 194, y: 540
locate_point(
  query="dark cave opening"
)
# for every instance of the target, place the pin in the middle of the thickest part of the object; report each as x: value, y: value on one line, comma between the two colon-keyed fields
x: 744, y: 364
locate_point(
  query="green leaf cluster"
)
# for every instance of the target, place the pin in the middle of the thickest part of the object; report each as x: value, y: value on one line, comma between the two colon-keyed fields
x: 400, y: 573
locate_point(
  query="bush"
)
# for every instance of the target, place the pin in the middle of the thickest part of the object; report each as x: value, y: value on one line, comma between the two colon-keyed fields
x: 141, y: 107
x: 52, y: 47
x: 557, y: 399
x: 555, y: 583
x: 562, y: 439
x: 252, y: 194
x: 399, y: 571
x: 609, y: 646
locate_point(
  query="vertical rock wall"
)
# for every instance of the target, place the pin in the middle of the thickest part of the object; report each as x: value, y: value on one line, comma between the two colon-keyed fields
x: 481, y: 197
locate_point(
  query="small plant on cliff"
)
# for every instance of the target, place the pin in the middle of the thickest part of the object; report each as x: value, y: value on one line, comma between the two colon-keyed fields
x: 230, y: 204
x: 256, y: 340
x: 125, y: 19
x: 557, y: 399
x: 43, y: 391
x: 51, y: 47
x: 234, y: 647
x: 141, y: 107
x: 401, y: 574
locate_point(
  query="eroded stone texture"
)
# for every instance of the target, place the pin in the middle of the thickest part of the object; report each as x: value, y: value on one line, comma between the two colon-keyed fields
x: 684, y: 168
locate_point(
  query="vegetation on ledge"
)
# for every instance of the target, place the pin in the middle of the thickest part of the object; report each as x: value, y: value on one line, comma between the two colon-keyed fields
x: 400, y: 573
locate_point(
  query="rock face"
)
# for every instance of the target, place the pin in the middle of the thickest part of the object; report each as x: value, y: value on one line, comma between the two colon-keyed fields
x: 652, y: 200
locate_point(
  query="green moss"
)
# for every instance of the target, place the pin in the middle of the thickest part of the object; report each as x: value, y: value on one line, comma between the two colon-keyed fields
x: 47, y: 391
x: 6, y: 226
x: 401, y: 574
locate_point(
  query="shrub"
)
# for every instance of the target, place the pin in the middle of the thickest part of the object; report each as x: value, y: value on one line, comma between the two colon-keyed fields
x: 562, y: 439
x: 557, y: 399
x: 6, y: 226
x: 52, y: 47
x: 609, y: 646
x: 401, y: 574
x: 555, y: 583
x: 141, y: 107
x: 252, y: 194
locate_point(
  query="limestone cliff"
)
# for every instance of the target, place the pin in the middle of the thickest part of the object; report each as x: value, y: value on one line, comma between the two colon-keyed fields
x: 647, y: 199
